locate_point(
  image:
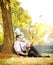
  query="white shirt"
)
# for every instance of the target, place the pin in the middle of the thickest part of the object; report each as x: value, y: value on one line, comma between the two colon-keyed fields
x: 17, y: 46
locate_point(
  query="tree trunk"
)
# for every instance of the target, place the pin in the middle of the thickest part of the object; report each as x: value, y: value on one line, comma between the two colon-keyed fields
x: 7, y: 27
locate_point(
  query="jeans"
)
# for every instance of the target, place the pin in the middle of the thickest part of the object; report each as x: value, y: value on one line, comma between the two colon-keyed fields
x: 32, y: 52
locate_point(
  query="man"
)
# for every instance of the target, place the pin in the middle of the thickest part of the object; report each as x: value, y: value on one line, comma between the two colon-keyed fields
x: 18, y: 46
x: 21, y: 50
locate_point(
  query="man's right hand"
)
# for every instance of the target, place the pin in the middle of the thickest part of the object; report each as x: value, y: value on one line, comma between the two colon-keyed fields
x: 26, y: 54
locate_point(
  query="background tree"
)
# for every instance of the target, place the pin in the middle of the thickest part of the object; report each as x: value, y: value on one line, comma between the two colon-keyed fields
x: 36, y: 33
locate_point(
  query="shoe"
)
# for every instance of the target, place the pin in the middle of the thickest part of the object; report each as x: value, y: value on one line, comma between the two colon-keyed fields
x: 46, y: 56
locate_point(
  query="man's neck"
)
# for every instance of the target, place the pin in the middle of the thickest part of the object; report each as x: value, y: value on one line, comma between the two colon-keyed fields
x: 18, y: 40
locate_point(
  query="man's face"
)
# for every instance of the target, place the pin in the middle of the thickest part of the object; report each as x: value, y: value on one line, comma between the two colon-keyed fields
x: 19, y: 38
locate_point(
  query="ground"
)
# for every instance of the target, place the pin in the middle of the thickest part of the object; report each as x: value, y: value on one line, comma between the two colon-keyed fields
x: 17, y: 60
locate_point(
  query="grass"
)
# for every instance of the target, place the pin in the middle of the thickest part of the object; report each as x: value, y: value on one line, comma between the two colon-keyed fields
x: 17, y: 60
x: 44, y: 54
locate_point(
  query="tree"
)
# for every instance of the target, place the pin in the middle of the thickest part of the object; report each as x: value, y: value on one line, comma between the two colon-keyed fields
x: 35, y: 33
x: 7, y: 26
x: 20, y: 16
x: 39, y: 30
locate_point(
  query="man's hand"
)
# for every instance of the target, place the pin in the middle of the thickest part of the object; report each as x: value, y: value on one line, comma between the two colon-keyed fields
x: 22, y: 53
x: 26, y: 54
x: 27, y: 46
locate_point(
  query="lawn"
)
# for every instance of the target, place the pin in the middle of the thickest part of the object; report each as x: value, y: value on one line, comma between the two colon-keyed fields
x: 17, y: 60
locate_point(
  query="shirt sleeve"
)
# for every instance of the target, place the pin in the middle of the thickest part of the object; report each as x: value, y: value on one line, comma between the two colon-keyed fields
x: 17, y: 47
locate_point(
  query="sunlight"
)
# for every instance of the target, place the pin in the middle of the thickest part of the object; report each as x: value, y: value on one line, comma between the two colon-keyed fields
x: 37, y: 8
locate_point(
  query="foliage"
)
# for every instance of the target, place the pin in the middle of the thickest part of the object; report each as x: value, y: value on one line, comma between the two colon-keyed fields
x: 36, y: 33
x: 1, y: 34
x: 39, y: 30
x: 0, y: 16
x: 20, y: 17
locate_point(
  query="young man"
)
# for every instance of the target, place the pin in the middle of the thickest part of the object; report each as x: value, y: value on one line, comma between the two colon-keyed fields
x: 21, y: 50
x: 19, y: 47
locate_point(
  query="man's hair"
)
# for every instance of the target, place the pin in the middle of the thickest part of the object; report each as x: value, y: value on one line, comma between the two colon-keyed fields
x: 17, y: 36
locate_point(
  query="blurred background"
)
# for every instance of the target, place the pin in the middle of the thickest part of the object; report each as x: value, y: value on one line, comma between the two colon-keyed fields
x: 33, y: 19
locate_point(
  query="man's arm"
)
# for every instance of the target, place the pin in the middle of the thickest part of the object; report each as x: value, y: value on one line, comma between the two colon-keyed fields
x: 22, y: 53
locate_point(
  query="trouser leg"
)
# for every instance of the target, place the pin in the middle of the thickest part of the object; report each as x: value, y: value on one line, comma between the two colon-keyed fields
x: 33, y: 52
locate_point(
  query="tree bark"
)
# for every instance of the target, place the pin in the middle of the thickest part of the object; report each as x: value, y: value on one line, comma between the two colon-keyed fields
x: 7, y: 28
